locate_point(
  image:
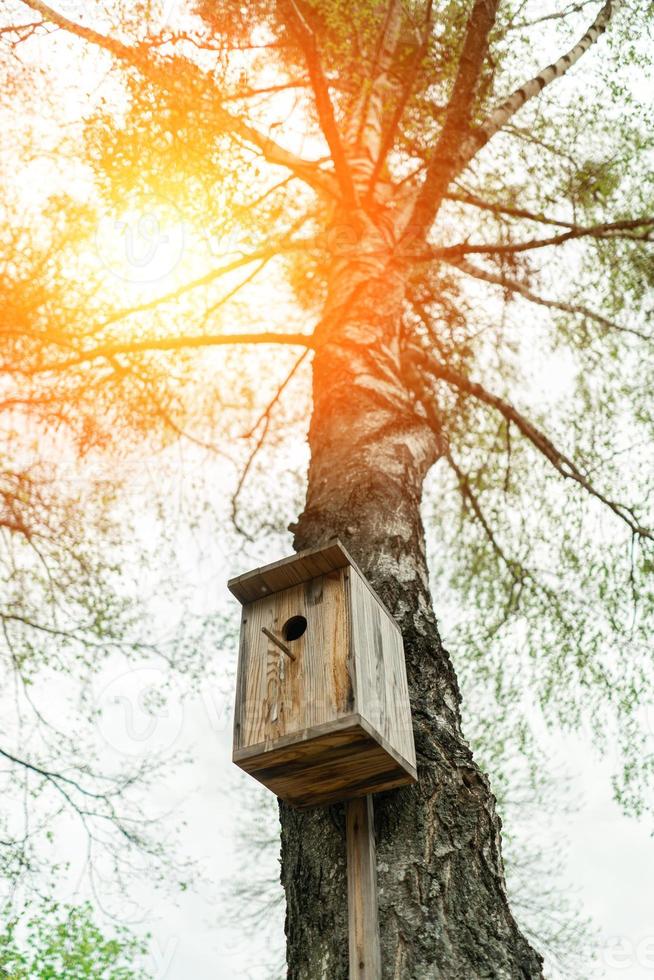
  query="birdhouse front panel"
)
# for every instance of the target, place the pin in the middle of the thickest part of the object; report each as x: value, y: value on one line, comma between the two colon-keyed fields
x: 286, y: 692
x: 322, y: 706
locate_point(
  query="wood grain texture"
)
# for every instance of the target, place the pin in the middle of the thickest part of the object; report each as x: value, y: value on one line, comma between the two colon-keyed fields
x: 382, y: 693
x: 283, y: 574
x: 334, y: 722
x: 294, y: 570
x: 362, y: 906
x: 332, y: 762
x: 277, y: 695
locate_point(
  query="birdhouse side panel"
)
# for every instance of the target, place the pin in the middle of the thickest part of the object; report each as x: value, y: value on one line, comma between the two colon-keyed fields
x: 293, y: 661
x: 382, y: 693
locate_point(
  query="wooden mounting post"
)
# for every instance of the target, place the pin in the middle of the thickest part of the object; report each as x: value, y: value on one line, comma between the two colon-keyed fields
x: 363, y: 919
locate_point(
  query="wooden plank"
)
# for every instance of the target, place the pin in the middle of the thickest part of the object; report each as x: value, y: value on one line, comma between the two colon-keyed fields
x: 290, y: 742
x: 295, y: 569
x: 364, y: 581
x: 289, y: 571
x: 285, y: 748
x: 240, y: 680
x: 332, y: 762
x: 335, y: 784
x: 363, y: 916
x: 382, y: 693
x: 281, y: 694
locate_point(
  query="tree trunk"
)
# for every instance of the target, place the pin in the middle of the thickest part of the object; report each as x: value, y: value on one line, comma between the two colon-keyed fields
x: 443, y: 906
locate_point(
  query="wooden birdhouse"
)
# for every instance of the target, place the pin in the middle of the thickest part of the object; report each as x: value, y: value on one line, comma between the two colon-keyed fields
x: 322, y: 704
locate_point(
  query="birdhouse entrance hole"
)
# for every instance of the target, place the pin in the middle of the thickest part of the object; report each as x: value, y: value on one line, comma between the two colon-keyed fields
x: 294, y: 628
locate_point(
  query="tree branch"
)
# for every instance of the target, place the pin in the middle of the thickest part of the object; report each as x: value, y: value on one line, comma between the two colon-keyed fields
x: 495, y: 207
x: 456, y: 145
x: 265, y: 417
x: 514, y: 286
x: 54, y: 777
x: 611, y: 229
x: 366, y: 122
x: 501, y: 115
x: 560, y: 462
x: 470, y: 496
x: 446, y: 158
x: 407, y: 90
x: 307, y: 40
x: 261, y: 255
x: 138, y: 56
x: 114, y: 46
x: 558, y: 15
x: 177, y: 343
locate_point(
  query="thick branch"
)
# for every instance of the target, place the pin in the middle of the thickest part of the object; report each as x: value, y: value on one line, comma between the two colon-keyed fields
x: 501, y: 115
x: 445, y: 161
x: 561, y: 463
x: 324, y: 108
x: 193, y: 341
x: 366, y: 123
x: 398, y: 114
x: 456, y: 147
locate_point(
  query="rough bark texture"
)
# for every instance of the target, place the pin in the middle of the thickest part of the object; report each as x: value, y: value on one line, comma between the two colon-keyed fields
x: 443, y: 907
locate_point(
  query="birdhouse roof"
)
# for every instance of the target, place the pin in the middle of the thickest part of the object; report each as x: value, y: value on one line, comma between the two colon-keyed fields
x: 288, y: 572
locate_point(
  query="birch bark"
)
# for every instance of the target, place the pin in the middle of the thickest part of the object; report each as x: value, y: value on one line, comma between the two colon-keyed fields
x: 443, y: 907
